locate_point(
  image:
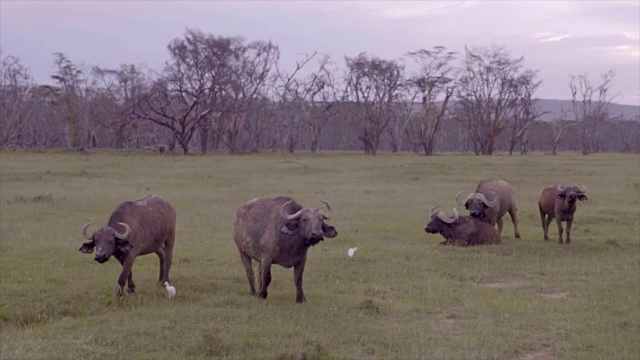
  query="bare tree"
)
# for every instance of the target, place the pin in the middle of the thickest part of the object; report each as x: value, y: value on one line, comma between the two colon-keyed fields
x: 72, y: 93
x: 487, y: 93
x: 117, y: 92
x: 374, y: 84
x: 318, y: 96
x: 525, y: 110
x: 16, y: 110
x: 591, y: 107
x: 434, y: 83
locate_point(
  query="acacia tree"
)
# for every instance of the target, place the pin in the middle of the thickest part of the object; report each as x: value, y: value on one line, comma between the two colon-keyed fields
x: 487, y: 93
x: 374, y: 85
x: 117, y: 93
x: 16, y: 108
x: 525, y: 111
x: 434, y: 84
x: 317, y: 95
x: 72, y: 93
x: 591, y: 107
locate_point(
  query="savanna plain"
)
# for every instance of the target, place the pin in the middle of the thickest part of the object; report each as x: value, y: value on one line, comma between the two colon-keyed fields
x: 402, y: 296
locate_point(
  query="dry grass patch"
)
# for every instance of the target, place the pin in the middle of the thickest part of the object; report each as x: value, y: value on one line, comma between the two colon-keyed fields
x: 507, y: 281
x: 558, y: 295
x: 542, y: 354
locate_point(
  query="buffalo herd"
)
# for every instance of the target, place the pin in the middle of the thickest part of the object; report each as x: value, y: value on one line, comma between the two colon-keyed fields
x: 281, y: 231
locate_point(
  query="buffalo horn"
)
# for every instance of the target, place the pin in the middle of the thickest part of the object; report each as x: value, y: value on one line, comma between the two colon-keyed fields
x: 127, y: 231
x: 442, y: 216
x: 561, y: 187
x: 289, y: 217
x: 431, y: 211
x: 583, y: 188
x: 328, y: 215
x: 458, y: 200
x: 492, y: 202
x: 84, y: 231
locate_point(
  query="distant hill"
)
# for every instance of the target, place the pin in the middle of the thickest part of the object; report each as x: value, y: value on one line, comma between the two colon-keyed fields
x: 556, y: 107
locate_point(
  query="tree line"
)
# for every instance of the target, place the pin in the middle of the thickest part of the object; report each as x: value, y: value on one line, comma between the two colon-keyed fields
x: 218, y: 93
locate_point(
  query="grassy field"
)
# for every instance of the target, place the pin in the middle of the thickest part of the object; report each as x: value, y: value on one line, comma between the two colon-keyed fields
x: 402, y: 296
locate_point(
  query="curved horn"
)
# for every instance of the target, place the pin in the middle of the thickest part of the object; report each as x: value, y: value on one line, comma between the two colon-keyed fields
x: 330, y: 213
x: 486, y: 201
x: 458, y: 200
x: 289, y: 217
x: 84, y: 231
x: 431, y: 211
x: 127, y: 231
x: 561, y: 187
x: 583, y: 188
x: 495, y: 200
x: 442, y: 216
x: 468, y: 198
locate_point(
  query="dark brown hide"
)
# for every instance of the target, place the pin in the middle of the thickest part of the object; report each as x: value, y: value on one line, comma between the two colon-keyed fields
x: 466, y: 231
x: 560, y: 203
x: 493, y: 190
x: 261, y: 233
x: 152, y: 223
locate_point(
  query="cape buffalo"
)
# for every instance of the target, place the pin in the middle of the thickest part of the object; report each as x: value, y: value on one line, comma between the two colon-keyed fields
x: 461, y: 230
x: 135, y: 228
x: 559, y: 202
x: 491, y: 201
x: 278, y: 231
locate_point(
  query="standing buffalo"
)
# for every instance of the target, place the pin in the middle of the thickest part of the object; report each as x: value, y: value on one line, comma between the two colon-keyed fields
x: 491, y: 200
x: 278, y: 231
x: 559, y: 202
x: 461, y: 230
x: 148, y: 226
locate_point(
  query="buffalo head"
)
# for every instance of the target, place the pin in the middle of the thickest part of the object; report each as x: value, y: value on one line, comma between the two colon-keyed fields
x: 476, y: 203
x: 571, y: 194
x: 308, y: 223
x: 440, y: 221
x: 106, y: 240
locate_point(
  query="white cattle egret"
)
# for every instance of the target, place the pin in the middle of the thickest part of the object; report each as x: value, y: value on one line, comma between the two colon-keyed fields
x: 352, y: 251
x: 171, y: 291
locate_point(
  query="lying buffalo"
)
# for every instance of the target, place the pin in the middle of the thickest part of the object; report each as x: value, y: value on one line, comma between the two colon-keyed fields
x: 491, y: 201
x: 559, y: 202
x: 278, y: 231
x: 135, y: 228
x: 461, y: 230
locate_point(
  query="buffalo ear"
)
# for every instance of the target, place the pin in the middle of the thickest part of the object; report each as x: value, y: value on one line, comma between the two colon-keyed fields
x: 123, y: 246
x: 582, y: 197
x: 289, y: 228
x: 87, y: 247
x: 466, y: 205
x: 329, y: 231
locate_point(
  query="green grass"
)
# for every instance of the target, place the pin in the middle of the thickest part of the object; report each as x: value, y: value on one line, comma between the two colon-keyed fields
x: 401, y: 297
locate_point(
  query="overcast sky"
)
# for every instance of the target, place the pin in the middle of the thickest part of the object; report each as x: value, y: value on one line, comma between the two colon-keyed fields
x: 557, y: 38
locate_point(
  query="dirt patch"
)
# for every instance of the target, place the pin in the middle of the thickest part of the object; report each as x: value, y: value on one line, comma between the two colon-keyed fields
x: 448, y: 320
x: 507, y: 281
x: 542, y: 354
x: 558, y: 295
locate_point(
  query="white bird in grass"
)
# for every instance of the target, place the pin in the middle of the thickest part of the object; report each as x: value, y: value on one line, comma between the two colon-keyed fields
x: 352, y: 251
x: 170, y: 289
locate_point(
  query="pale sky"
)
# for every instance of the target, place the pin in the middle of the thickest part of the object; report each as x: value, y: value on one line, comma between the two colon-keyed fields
x: 555, y: 37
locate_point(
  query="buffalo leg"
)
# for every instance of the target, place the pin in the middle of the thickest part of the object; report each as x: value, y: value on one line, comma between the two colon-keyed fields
x: 163, y: 265
x: 297, y: 278
x: 514, y: 219
x: 265, y: 278
x: 569, y: 222
x: 126, y: 274
x: 130, y: 285
x: 500, y: 225
x: 559, y: 230
x: 168, y: 251
x: 246, y: 261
